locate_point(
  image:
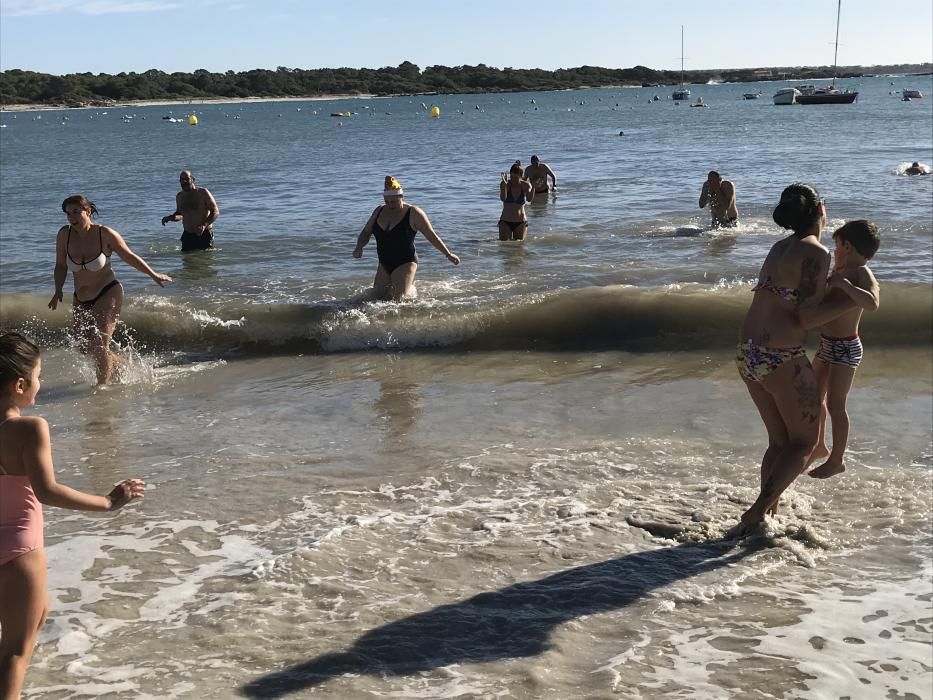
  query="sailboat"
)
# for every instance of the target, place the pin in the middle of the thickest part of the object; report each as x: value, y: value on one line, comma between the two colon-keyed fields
x: 681, y: 93
x: 828, y: 95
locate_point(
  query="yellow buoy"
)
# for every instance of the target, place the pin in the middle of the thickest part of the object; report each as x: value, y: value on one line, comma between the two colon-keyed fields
x: 193, y: 120
x: 435, y: 112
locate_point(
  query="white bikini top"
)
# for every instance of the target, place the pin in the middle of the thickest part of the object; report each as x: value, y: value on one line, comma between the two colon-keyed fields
x: 94, y: 264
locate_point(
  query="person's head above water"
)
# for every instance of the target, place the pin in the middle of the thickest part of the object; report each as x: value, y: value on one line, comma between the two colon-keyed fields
x: 915, y: 164
x: 392, y: 191
x: 800, y: 209
x: 77, y: 207
x: 79, y: 201
x: 713, y: 177
x: 186, y: 180
x: 516, y: 171
x: 535, y: 160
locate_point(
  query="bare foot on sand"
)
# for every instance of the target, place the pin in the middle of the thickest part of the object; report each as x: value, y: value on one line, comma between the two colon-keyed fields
x: 748, y: 523
x: 819, y: 452
x: 828, y: 469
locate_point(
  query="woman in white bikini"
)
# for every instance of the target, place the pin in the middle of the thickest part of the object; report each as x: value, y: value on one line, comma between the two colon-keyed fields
x: 84, y: 248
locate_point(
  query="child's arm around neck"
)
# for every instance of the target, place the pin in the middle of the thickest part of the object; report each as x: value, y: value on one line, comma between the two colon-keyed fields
x: 865, y: 291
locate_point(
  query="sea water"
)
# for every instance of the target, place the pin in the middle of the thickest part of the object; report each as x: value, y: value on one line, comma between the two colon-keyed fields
x: 515, y: 486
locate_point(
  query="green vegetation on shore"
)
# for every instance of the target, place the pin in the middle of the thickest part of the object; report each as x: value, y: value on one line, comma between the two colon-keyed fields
x: 81, y: 89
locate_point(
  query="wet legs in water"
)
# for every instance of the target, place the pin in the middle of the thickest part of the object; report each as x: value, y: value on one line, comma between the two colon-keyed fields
x: 94, y: 328
x: 834, y: 392
x: 397, y: 285
x: 788, y: 402
x: 507, y: 233
x: 23, y: 607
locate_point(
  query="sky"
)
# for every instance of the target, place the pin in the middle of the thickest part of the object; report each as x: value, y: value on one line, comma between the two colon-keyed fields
x: 113, y: 36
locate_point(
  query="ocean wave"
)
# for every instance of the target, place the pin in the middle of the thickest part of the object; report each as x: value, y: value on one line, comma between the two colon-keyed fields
x: 618, y: 317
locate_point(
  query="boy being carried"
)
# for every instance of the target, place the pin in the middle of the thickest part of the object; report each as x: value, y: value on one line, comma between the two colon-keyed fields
x: 840, y: 348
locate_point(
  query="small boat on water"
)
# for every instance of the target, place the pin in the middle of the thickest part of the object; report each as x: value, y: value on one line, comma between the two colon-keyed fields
x: 786, y: 96
x: 828, y: 95
x: 912, y: 94
x: 751, y: 95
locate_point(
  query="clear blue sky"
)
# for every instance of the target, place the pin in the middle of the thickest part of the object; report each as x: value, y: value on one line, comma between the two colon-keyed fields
x: 110, y: 36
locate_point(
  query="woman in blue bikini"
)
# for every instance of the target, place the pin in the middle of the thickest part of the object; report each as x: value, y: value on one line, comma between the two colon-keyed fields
x: 395, y: 226
x: 514, y: 192
x: 84, y: 248
x: 788, y: 302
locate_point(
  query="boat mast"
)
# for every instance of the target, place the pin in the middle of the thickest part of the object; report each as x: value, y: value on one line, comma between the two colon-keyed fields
x: 682, y: 51
x: 835, y: 53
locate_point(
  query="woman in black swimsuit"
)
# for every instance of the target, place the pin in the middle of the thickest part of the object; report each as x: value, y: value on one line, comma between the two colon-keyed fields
x: 395, y: 225
x: 84, y: 248
x: 514, y: 192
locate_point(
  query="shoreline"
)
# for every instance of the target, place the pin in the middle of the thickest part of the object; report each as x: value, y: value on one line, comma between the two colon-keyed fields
x: 192, y: 102
x: 20, y: 107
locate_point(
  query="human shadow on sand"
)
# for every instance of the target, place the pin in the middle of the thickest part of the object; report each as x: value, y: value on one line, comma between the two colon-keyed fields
x: 509, y: 623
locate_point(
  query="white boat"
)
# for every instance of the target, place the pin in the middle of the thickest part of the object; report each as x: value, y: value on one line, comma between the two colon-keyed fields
x: 751, y: 95
x: 681, y: 93
x: 912, y: 94
x: 786, y: 96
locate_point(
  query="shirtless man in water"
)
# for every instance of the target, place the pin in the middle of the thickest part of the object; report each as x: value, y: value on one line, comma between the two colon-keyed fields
x: 538, y: 173
x: 720, y: 195
x: 198, y: 211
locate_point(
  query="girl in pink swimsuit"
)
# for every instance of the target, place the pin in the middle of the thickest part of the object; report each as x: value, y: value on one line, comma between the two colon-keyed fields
x: 27, y: 479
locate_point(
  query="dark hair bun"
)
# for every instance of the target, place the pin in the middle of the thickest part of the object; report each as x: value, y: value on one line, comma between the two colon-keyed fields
x: 798, y: 208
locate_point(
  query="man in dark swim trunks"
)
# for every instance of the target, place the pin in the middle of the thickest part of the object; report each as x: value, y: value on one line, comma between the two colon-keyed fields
x: 720, y: 195
x: 538, y: 173
x: 198, y: 210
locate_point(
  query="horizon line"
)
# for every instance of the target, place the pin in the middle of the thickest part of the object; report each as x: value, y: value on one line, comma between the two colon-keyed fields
x: 922, y: 64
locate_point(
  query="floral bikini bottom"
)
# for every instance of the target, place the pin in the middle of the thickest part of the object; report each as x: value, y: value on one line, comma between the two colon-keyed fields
x: 755, y: 362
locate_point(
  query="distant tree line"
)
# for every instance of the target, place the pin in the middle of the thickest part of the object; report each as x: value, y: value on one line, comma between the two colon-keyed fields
x: 78, y: 89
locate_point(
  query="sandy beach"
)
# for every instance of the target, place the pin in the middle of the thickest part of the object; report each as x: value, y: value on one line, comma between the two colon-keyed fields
x: 192, y: 103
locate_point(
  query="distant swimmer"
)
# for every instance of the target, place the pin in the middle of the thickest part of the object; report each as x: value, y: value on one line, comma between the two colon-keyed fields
x: 198, y: 210
x: 85, y: 248
x: 720, y: 195
x: 917, y: 168
x: 395, y: 225
x: 538, y: 173
x: 514, y: 192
